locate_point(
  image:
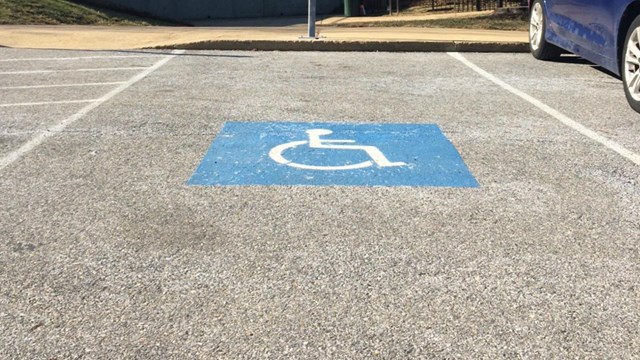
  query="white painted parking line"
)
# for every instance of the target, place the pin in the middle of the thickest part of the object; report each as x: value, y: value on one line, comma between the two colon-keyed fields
x: 59, y: 85
x: 71, y: 70
x: 56, y: 129
x: 49, y: 103
x: 612, y: 145
x: 83, y: 58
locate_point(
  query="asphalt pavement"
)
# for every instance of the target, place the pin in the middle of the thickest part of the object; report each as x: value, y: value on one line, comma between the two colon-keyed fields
x: 108, y: 252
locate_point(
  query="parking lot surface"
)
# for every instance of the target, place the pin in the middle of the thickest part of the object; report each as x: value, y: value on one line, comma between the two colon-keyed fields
x: 108, y: 251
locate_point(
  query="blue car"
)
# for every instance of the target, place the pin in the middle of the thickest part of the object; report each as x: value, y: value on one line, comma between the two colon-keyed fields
x: 605, y: 32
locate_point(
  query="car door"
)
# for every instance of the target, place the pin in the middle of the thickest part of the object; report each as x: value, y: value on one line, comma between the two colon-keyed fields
x: 584, y: 27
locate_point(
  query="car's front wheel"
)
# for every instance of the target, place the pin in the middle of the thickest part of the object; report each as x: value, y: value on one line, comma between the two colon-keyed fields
x: 540, y: 48
x: 631, y: 65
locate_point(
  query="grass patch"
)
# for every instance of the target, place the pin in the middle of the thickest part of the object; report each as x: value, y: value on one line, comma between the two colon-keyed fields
x: 55, y: 12
x: 507, y: 21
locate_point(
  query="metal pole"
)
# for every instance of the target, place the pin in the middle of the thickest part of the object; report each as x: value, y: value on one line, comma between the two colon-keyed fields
x: 312, y: 19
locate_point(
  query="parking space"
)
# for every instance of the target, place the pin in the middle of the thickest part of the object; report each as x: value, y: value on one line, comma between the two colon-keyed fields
x: 107, y: 247
x: 600, y: 104
x: 44, y: 89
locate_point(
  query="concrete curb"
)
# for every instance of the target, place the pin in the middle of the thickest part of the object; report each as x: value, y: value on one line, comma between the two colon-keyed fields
x: 324, y: 45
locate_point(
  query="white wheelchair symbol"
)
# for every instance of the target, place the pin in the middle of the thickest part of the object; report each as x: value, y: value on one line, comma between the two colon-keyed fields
x: 315, y: 142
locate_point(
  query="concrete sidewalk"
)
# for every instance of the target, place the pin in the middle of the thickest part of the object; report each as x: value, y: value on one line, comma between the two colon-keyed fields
x: 237, y: 36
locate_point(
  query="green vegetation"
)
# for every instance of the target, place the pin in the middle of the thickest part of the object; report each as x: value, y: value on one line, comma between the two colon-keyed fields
x: 53, y: 12
x: 507, y: 21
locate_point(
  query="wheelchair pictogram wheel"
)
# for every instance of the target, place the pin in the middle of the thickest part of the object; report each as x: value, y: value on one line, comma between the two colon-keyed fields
x: 277, y: 155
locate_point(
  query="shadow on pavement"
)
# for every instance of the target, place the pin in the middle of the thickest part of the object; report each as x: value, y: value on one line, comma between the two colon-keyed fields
x: 574, y: 59
x: 164, y: 52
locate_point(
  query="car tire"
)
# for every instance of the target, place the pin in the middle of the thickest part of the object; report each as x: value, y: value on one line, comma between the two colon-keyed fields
x: 538, y: 45
x: 630, y: 65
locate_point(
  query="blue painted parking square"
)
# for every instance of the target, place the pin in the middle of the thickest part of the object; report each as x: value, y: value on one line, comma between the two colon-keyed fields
x: 295, y: 153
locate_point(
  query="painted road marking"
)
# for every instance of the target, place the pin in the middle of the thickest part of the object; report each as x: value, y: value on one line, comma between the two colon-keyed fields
x: 612, y: 145
x: 42, y: 136
x: 59, y: 85
x: 325, y: 154
x: 50, y: 103
x: 82, y: 58
x: 315, y: 142
x: 71, y: 70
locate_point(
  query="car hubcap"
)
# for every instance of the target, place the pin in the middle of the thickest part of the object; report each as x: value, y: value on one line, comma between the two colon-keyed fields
x: 535, y: 26
x: 632, y: 65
